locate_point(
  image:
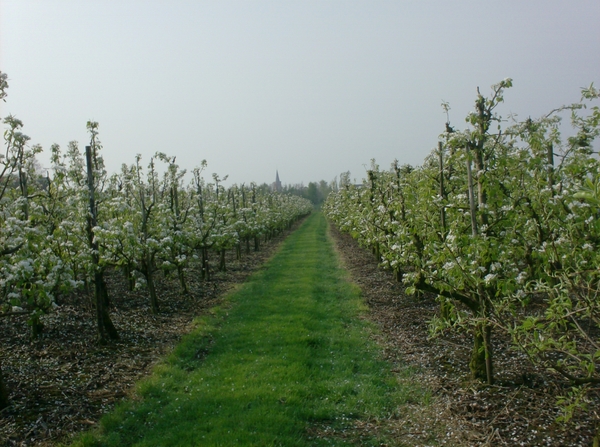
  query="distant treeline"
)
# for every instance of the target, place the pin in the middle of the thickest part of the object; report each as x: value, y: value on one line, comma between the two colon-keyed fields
x: 316, y: 192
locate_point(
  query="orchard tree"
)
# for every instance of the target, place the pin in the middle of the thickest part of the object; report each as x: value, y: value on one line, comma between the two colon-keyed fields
x: 96, y: 175
x: 501, y: 224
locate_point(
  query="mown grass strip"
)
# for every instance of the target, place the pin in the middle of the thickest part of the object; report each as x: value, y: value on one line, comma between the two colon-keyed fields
x: 289, y: 352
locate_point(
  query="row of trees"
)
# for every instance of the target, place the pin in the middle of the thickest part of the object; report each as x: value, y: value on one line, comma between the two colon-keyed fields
x: 62, y: 231
x: 502, y: 224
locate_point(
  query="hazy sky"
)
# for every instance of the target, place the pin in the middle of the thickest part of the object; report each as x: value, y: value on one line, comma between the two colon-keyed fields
x: 311, y: 88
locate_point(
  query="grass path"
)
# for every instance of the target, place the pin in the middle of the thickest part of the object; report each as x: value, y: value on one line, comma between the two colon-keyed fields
x: 287, y: 357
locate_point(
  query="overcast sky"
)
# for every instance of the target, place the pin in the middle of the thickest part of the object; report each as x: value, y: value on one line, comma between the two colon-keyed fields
x: 311, y: 88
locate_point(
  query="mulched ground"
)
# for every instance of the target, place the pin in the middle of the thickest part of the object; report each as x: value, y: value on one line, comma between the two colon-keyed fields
x: 61, y: 383
x: 519, y: 411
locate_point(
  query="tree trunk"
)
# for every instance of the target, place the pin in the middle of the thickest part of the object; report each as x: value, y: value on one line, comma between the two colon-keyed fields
x: 182, y: 283
x: 222, y: 267
x: 442, y: 189
x: 205, y: 273
x: 445, y: 308
x: 36, y: 326
x: 23, y: 181
x: 153, y: 298
x: 481, y: 364
x: 550, y: 169
x: 376, y: 252
x: 148, y: 273
x: 477, y: 363
x: 3, y: 392
x: 398, y: 274
x: 489, y: 365
x: 104, y: 296
x: 471, y: 192
x: 106, y: 328
x: 127, y: 272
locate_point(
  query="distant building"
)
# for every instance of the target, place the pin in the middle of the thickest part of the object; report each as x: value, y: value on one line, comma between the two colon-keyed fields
x: 276, y: 186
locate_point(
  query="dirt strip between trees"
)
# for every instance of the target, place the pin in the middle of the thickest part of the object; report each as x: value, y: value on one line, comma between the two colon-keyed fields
x: 519, y: 411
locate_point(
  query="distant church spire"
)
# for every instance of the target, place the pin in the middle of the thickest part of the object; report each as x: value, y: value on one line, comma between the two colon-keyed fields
x: 277, y: 185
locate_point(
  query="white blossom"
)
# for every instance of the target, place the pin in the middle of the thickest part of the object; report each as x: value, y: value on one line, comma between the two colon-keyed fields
x: 489, y: 278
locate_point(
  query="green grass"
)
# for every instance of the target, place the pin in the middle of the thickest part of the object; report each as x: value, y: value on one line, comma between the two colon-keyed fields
x: 286, y: 353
